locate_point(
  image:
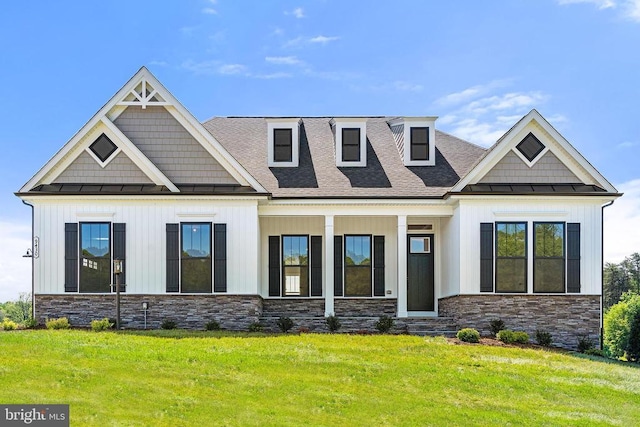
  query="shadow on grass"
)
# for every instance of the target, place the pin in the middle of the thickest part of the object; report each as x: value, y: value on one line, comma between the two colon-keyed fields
x: 184, y: 333
x: 604, y: 359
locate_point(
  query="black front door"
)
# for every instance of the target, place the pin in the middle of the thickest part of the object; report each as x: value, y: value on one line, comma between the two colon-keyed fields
x: 420, y: 294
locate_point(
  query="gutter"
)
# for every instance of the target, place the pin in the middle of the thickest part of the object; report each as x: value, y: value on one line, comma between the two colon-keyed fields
x: 602, y: 275
x: 33, y: 287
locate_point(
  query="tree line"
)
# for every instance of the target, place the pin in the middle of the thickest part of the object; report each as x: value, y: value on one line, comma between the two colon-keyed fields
x: 18, y: 311
x: 620, y: 278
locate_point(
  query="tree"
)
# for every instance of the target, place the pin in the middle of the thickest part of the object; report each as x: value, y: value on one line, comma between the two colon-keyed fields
x: 19, y: 310
x: 616, y: 283
x: 633, y: 346
x: 618, y: 323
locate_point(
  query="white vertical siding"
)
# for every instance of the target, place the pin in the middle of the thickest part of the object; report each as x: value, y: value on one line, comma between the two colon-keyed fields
x: 450, y: 236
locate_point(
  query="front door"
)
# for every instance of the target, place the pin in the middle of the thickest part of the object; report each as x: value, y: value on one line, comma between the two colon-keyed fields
x: 420, y: 294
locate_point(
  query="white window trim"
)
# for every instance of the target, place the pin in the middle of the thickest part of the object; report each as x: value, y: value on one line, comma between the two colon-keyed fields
x: 341, y: 123
x: 418, y: 122
x: 288, y: 123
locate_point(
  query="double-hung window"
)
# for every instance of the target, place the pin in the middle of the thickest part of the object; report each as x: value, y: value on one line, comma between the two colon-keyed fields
x: 419, y: 143
x: 511, y: 257
x: 350, y: 144
x: 283, y: 145
x: 549, y: 257
x: 295, y: 266
x: 357, y: 266
x: 196, y: 258
x: 95, y: 257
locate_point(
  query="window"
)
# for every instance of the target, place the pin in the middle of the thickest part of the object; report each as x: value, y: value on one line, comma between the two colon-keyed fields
x: 549, y: 257
x: 196, y: 258
x: 419, y: 143
x: 95, y: 257
x: 295, y: 266
x: 420, y: 245
x: 357, y: 266
x: 511, y: 257
x: 283, y: 145
x: 350, y: 144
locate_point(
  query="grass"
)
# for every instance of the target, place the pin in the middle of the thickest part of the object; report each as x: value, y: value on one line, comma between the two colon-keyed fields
x: 178, y: 378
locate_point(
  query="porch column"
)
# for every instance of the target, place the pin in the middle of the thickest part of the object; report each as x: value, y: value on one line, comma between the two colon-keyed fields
x: 402, y: 266
x: 328, y: 265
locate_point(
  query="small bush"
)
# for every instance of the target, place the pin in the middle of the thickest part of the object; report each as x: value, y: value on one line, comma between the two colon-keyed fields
x: 9, y: 325
x: 285, y: 324
x: 617, y: 324
x: 543, y: 338
x: 255, y: 327
x: 303, y: 330
x: 584, y: 344
x: 496, y: 326
x: 333, y: 323
x: 513, y: 337
x: 61, y: 323
x: 31, y: 323
x: 468, y: 335
x: 384, y: 324
x: 169, y: 324
x: 633, y: 347
x: 212, y: 325
x: 595, y: 352
x: 101, y: 325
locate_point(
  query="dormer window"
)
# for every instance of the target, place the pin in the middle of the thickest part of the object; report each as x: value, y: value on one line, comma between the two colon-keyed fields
x: 351, y: 141
x: 284, y: 142
x: 415, y: 138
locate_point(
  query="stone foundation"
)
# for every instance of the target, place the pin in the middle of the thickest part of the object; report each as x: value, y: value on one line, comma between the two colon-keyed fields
x: 565, y: 317
x: 234, y: 312
x: 362, y: 307
x: 289, y: 307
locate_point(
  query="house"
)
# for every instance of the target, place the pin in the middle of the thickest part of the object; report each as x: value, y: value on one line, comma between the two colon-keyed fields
x: 245, y: 219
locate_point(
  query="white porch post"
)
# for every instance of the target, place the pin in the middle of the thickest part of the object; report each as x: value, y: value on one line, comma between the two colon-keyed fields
x: 328, y: 265
x: 402, y: 266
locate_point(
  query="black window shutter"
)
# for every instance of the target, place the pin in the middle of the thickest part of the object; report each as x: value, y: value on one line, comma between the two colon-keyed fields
x: 220, y: 257
x: 316, y: 266
x: 71, y: 257
x: 486, y: 257
x: 173, y: 258
x: 274, y: 266
x: 120, y: 251
x: 337, y: 266
x: 573, y: 257
x: 378, y: 266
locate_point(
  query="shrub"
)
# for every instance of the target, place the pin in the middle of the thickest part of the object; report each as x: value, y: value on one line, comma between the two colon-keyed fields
x: 333, y: 323
x: 61, y: 323
x: 585, y: 344
x: 633, y: 347
x: 543, y: 338
x: 169, y: 324
x: 285, y: 324
x: 384, y: 324
x: 9, y: 325
x: 101, y: 325
x: 595, y: 352
x: 255, y: 327
x: 617, y: 324
x: 31, y: 323
x: 468, y: 335
x: 303, y: 330
x: 513, y: 337
x: 496, y: 326
x: 212, y: 325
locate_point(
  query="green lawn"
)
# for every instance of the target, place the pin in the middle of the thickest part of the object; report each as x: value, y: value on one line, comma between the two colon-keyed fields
x: 208, y: 379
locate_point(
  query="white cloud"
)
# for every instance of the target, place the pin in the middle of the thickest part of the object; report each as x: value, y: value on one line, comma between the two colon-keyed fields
x: 629, y: 9
x: 302, y: 41
x: 284, y: 60
x: 621, y: 231
x: 15, y: 271
x: 626, y: 144
x: 209, y: 11
x: 272, y: 76
x: 468, y: 94
x: 323, y: 39
x: 298, y: 12
x: 229, y: 69
x: 600, y: 4
x: 632, y: 10
x: 158, y: 63
x: 213, y: 67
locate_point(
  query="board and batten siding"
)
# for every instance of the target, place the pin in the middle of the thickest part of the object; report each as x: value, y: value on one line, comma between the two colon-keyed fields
x: 586, y: 212
x: 145, y: 242
x: 450, y: 236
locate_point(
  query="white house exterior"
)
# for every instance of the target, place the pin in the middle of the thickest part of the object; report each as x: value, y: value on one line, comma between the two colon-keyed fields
x: 246, y: 219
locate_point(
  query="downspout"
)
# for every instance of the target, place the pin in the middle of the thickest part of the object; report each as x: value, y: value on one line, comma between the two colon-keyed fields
x: 602, y: 275
x: 33, y: 287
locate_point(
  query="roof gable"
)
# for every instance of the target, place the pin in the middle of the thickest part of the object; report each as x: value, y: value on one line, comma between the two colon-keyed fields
x: 556, y: 151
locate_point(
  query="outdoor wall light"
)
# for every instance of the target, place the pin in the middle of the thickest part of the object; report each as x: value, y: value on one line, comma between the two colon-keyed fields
x: 145, y: 305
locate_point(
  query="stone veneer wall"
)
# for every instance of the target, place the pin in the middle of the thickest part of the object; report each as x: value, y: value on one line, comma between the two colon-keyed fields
x: 565, y: 317
x: 313, y: 307
x: 234, y: 312
x: 364, y: 307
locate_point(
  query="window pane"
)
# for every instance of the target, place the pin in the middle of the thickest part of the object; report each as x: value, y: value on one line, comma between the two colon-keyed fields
x: 295, y: 250
x: 512, y: 239
x: 420, y: 245
x: 296, y: 281
x: 419, y: 152
x: 358, y: 250
x: 295, y: 258
x: 549, y: 240
x: 357, y: 281
x: 419, y: 143
x: 282, y: 140
x: 196, y: 240
x: 351, y: 144
x: 196, y: 258
x: 196, y: 275
x: 95, y: 260
x: 511, y: 275
x: 548, y: 275
x: 357, y: 265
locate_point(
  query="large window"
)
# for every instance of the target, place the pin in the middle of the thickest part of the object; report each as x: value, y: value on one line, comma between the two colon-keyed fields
x: 283, y: 145
x: 511, y: 257
x: 196, y: 258
x: 549, y: 259
x: 419, y: 143
x: 295, y: 266
x: 357, y: 266
x: 350, y: 144
x: 95, y: 257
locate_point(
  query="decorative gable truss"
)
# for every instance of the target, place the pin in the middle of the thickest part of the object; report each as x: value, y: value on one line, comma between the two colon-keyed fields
x: 536, y: 153
x: 103, y: 141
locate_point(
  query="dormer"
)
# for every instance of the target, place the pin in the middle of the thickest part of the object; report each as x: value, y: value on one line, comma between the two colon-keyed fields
x: 350, y: 135
x: 284, y: 142
x: 416, y: 139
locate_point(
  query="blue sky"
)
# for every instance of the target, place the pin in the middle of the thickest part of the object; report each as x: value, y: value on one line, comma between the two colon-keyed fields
x: 479, y: 66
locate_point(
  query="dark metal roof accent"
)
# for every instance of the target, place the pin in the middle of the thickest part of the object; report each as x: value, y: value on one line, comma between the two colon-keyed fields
x: 532, y: 189
x: 140, y: 189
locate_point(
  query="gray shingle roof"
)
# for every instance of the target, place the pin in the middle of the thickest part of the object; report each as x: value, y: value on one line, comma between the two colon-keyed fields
x: 318, y: 176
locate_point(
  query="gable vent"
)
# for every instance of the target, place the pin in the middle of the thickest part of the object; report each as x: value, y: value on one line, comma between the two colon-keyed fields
x: 103, y: 148
x: 530, y: 147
